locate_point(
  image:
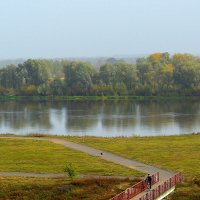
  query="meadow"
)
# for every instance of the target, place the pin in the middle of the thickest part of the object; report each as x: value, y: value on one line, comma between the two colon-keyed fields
x: 38, y: 156
x: 175, y: 153
x: 22, y: 155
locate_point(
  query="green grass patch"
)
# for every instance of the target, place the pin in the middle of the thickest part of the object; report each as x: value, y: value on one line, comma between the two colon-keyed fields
x: 26, y: 155
x: 176, y: 153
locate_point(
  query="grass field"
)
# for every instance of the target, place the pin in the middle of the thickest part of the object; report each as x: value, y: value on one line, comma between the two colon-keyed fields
x: 22, y: 155
x: 61, y: 188
x: 176, y: 153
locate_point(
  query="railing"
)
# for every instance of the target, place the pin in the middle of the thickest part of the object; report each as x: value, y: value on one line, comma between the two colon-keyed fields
x: 136, y: 189
x: 161, y: 189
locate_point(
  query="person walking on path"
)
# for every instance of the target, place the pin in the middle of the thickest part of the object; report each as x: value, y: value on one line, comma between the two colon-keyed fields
x: 149, y: 181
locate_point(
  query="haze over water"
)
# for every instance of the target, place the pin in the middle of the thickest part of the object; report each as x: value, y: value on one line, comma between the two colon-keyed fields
x: 96, y: 118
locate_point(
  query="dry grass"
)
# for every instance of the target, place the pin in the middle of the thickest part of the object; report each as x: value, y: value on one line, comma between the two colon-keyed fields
x: 61, y: 189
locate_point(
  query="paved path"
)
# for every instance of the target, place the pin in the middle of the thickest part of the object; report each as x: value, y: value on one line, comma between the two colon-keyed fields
x: 164, y: 174
x: 148, y: 169
x: 115, y: 158
x: 105, y: 155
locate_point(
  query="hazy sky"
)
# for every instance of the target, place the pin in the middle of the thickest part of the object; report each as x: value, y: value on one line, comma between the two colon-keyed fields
x: 89, y: 28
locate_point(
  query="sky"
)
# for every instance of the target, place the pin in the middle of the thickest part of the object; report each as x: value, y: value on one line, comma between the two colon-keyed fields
x: 97, y: 28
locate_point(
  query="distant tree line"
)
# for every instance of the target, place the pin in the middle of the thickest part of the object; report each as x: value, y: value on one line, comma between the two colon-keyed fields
x: 155, y: 75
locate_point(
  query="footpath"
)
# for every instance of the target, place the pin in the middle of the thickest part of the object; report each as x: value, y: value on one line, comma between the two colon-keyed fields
x: 139, y: 166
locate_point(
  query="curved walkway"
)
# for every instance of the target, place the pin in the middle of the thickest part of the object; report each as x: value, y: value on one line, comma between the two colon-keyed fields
x: 139, y: 166
x: 164, y: 174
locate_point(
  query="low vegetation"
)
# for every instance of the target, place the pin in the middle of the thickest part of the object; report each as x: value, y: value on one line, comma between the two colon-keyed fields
x: 61, y: 188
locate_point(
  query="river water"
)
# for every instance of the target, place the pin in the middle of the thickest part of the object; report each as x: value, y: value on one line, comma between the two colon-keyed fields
x: 100, y: 118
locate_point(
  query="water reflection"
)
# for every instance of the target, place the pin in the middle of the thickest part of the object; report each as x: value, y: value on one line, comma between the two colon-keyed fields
x: 17, y: 115
x: 81, y: 116
x: 123, y: 116
x: 109, y: 118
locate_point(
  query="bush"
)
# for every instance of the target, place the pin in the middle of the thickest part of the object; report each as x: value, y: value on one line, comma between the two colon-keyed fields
x: 196, y: 181
x: 70, y: 170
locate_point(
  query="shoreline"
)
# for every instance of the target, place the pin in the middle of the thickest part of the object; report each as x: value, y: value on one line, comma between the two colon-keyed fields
x: 98, y: 98
x: 40, y: 135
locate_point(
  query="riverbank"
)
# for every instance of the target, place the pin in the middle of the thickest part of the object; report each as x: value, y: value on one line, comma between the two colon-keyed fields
x: 98, y: 98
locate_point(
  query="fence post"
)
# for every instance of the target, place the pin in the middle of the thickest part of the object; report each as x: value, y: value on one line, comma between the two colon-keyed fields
x: 170, y: 182
x: 159, y: 188
x: 153, y: 194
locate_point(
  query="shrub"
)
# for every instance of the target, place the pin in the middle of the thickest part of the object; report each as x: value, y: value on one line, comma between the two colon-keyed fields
x: 196, y: 181
x: 69, y: 169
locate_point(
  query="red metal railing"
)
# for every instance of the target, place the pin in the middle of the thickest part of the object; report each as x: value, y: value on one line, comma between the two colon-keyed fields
x: 161, y: 189
x: 136, y: 189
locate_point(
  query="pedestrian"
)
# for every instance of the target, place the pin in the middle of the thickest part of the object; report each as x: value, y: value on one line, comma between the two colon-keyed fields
x: 149, y: 181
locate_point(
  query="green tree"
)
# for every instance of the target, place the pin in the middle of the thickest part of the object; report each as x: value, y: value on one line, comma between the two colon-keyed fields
x: 57, y: 87
x: 186, y: 72
x: 107, y: 74
x: 8, y: 77
x: 126, y: 77
x: 34, y: 72
x: 120, y: 89
x: 78, y: 78
x: 151, y: 73
x: 102, y: 90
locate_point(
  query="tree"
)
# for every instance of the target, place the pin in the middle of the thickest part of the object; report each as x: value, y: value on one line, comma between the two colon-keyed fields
x: 186, y: 71
x: 151, y: 71
x: 126, y: 77
x: 120, y: 89
x: 34, y: 72
x: 107, y: 74
x: 102, y: 90
x: 167, y: 81
x: 56, y: 87
x: 8, y: 77
x: 30, y: 90
x: 78, y: 78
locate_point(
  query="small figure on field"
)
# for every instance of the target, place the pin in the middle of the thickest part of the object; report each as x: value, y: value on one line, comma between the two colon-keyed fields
x: 149, y: 181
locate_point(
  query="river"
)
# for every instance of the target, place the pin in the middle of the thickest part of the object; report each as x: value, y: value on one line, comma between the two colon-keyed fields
x: 100, y: 118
